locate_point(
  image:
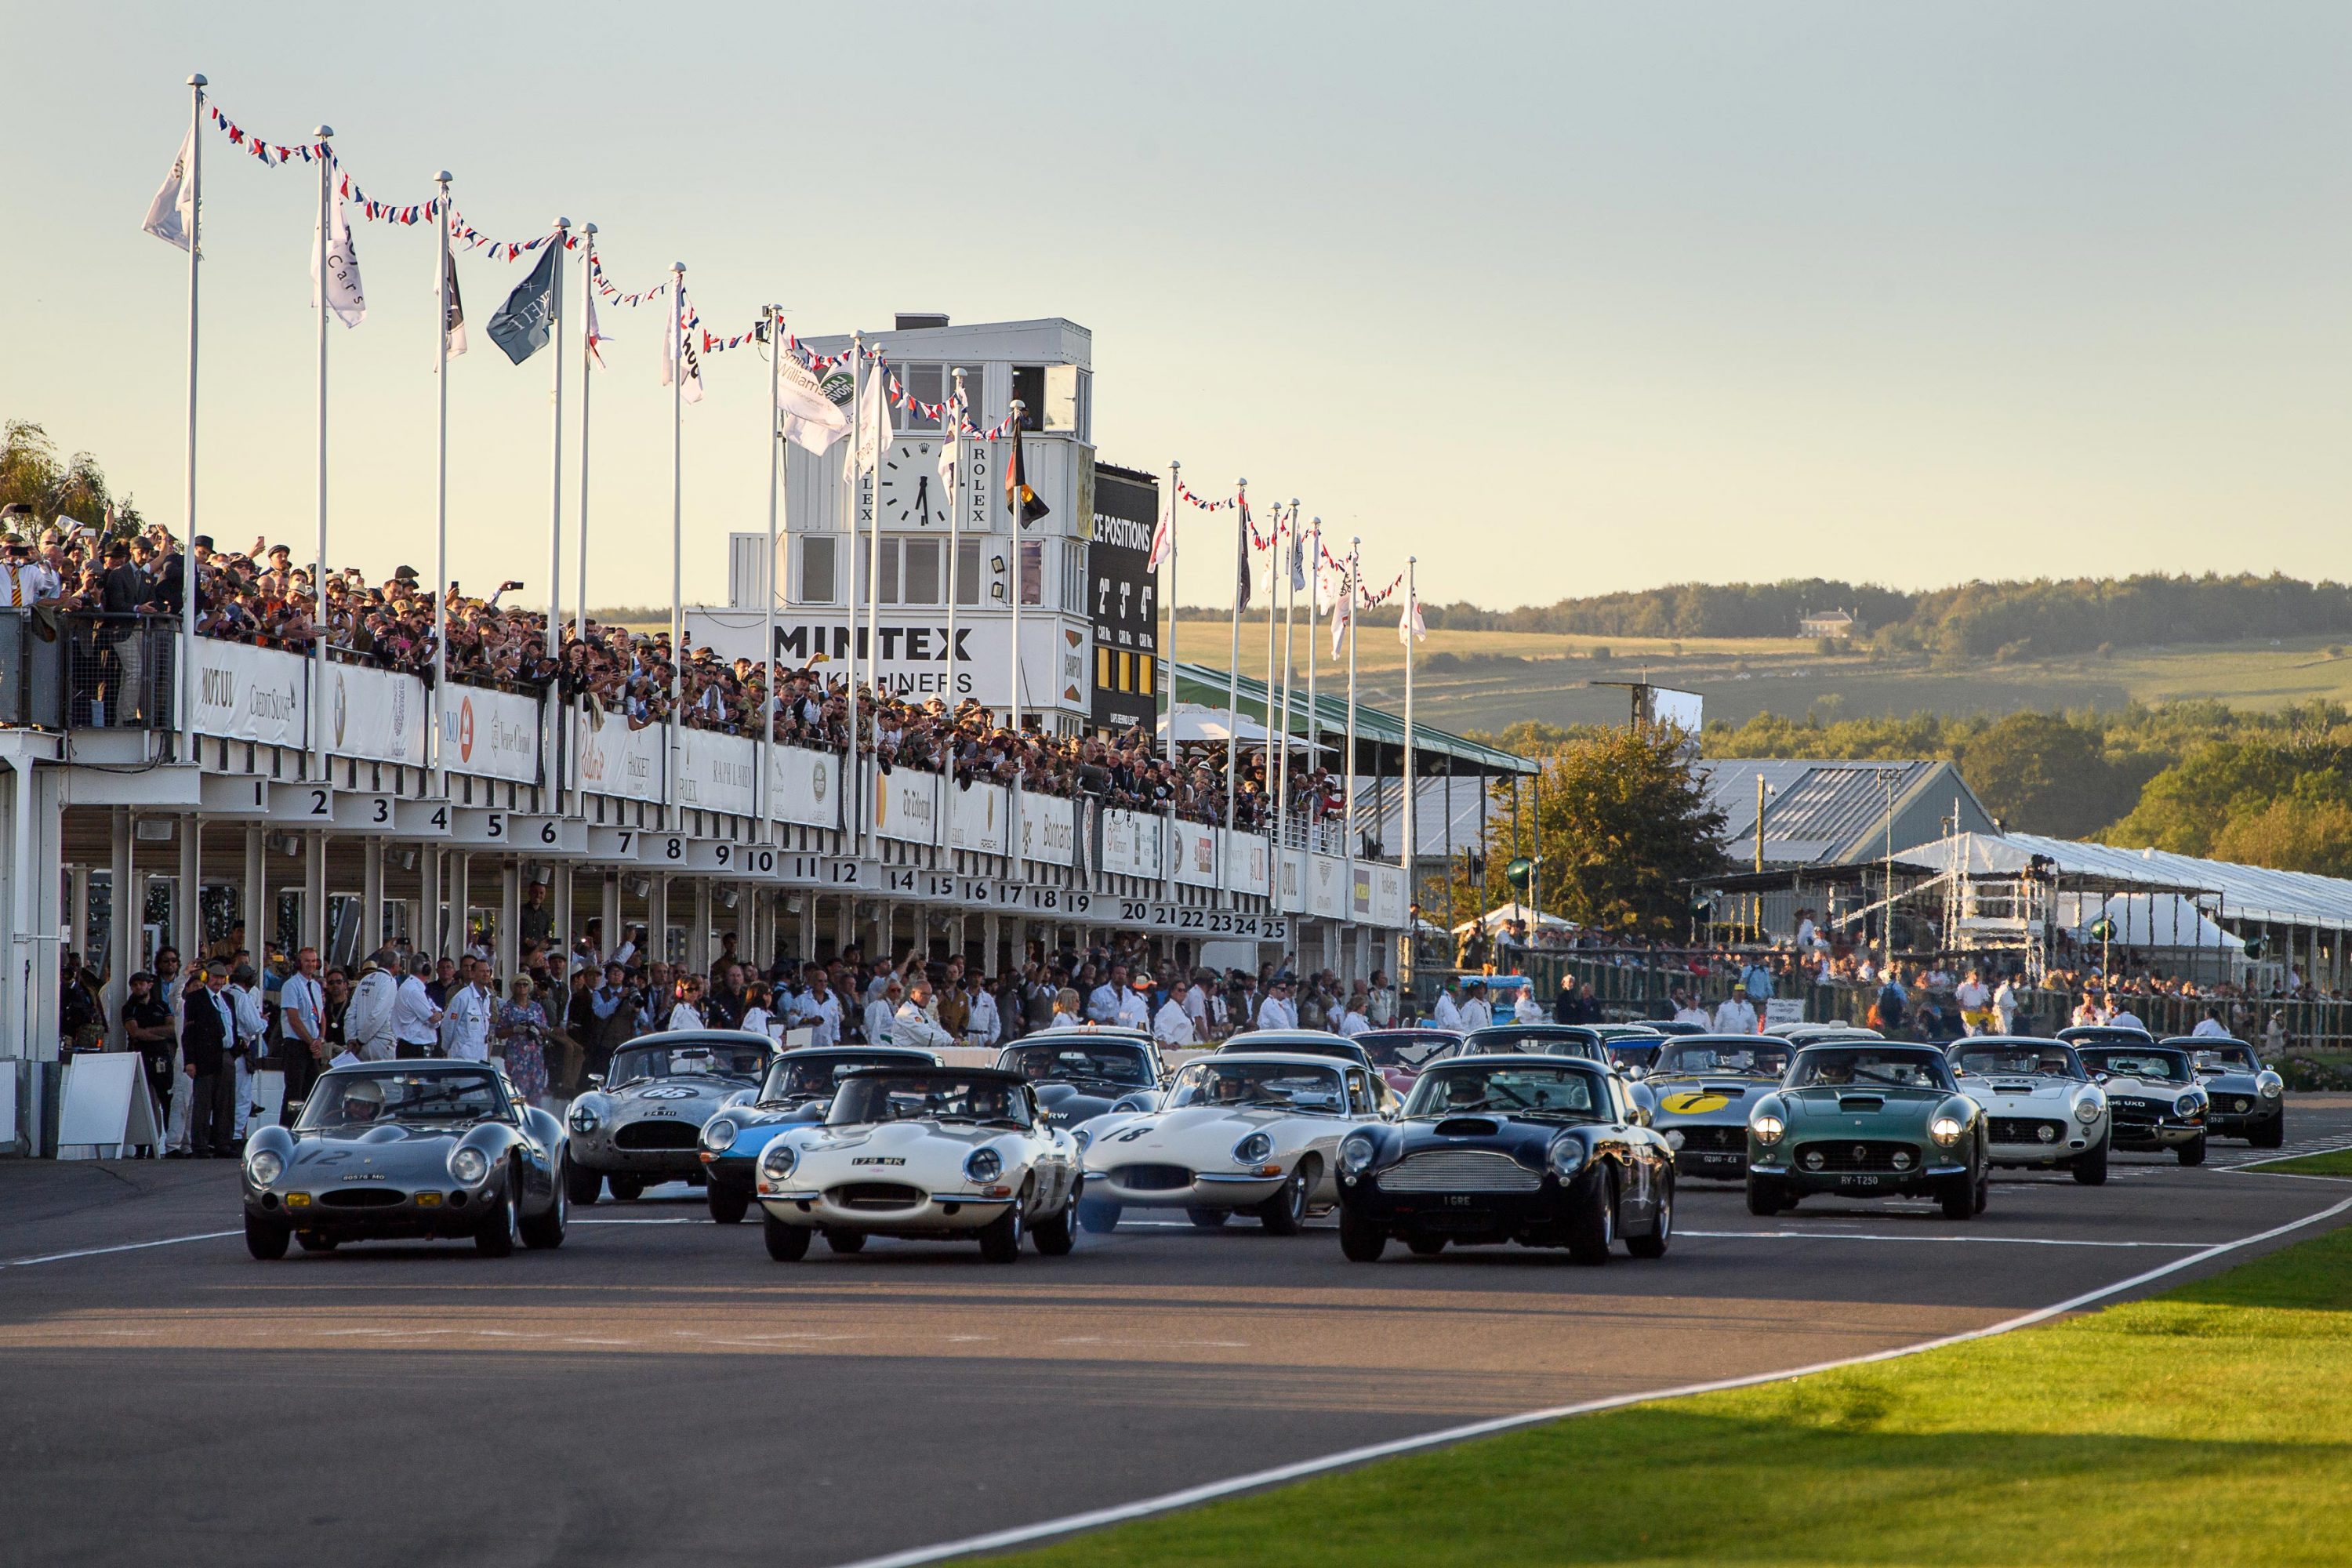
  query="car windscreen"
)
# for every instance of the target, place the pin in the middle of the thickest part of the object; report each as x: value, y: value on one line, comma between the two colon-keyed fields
x: 919, y: 1096
x: 1760, y: 1057
x: 641, y: 1059
x: 1532, y: 1042
x: 1405, y: 1049
x: 2157, y: 1067
x: 817, y: 1077
x: 2017, y: 1061
x: 1869, y: 1067
x: 349, y: 1099
x: 1276, y: 1086
x: 1508, y: 1088
x: 2226, y: 1058
x: 1119, y: 1062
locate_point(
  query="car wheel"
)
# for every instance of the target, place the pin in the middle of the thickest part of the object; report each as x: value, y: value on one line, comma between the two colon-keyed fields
x: 500, y: 1230
x: 627, y: 1189
x: 583, y: 1186
x: 1097, y: 1216
x: 786, y: 1243
x: 1763, y: 1197
x: 1983, y: 1190
x: 728, y: 1204
x: 1655, y: 1243
x: 545, y: 1232
x: 2091, y: 1169
x: 1593, y: 1228
x: 2193, y: 1151
x: 1057, y: 1232
x: 311, y: 1241
x: 267, y: 1239
x: 1208, y: 1219
x: 848, y: 1243
x: 2271, y: 1134
x: 1000, y: 1238
x: 1959, y: 1198
x: 1361, y: 1240
x: 1424, y: 1245
x: 1284, y: 1213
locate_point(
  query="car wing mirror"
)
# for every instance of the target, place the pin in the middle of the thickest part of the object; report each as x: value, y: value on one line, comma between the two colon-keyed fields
x: 2098, y: 1078
x: 596, y: 1078
x: 293, y: 1108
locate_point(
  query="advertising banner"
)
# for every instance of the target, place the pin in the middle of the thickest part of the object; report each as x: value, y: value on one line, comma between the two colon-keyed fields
x: 1327, y: 887
x: 1123, y: 597
x: 491, y: 734
x: 1049, y: 829
x: 1196, y: 855
x: 251, y: 693
x: 1131, y: 843
x: 919, y: 662
x: 980, y: 817
x: 610, y: 758
x: 805, y: 786
x: 1387, y: 896
x: 718, y: 772
x: 1250, y: 857
x: 906, y: 805
x: 375, y: 714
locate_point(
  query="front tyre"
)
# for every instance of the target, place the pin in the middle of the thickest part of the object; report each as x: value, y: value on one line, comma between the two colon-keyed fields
x: 311, y: 1241
x: 728, y: 1204
x: 2271, y: 1134
x: 500, y: 1229
x: 1284, y: 1213
x: 1057, y: 1232
x: 267, y: 1239
x: 786, y: 1243
x: 627, y: 1189
x: 1661, y: 1231
x: 1361, y: 1240
x: 584, y: 1185
x: 2193, y: 1151
x: 1208, y: 1219
x: 2091, y: 1169
x: 1958, y: 1197
x: 545, y: 1232
x: 1097, y: 1216
x: 1592, y: 1223
x: 1764, y: 1199
x: 1000, y: 1238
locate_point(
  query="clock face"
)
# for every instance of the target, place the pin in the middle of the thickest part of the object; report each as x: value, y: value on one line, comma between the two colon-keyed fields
x: 910, y: 491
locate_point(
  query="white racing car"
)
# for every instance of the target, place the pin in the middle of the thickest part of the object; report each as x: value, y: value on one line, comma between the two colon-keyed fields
x: 1254, y: 1132
x: 2041, y: 1107
x: 923, y: 1152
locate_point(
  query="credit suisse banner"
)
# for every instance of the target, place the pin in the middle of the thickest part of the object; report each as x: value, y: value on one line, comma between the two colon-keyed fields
x: 1387, y: 895
x: 251, y: 693
x: 1131, y: 843
x: 1249, y: 858
x: 906, y: 805
x: 805, y: 786
x: 613, y: 759
x: 978, y: 817
x: 718, y: 772
x: 1196, y: 855
x: 1049, y: 829
x: 491, y: 734
x: 375, y: 714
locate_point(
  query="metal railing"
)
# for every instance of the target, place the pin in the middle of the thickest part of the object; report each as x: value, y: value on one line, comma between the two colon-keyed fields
x: 122, y: 670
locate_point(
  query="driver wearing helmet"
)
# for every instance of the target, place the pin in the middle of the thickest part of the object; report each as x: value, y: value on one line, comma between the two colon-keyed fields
x: 364, y: 1102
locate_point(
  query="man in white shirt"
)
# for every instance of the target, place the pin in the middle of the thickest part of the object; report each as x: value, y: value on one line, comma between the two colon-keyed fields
x: 1447, y: 1013
x: 1172, y: 1025
x: 1196, y: 1008
x: 1688, y: 1010
x: 1135, y: 1004
x: 367, y: 1022
x: 302, y: 1021
x: 820, y: 1010
x: 1475, y: 1014
x: 2005, y: 1005
x: 1352, y: 1021
x: 1974, y: 1001
x: 880, y: 1012
x: 1102, y: 1002
x: 466, y: 1016
x: 1381, y: 1003
x: 2209, y: 1026
x: 415, y: 1021
x: 1529, y: 1010
x: 245, y: 1000
x: 2124, y: 1017
x: 982, y: 1026
x: 1737, y: 1015
x: 913, y: 1025
x: 1276, y: 1012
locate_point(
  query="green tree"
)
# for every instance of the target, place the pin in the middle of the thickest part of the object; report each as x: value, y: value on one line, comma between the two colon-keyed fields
x: 2041, y: 773
x: 32, y: 474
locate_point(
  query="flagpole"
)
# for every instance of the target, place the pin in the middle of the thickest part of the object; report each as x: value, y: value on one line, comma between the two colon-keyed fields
x: 316, y: 919
x: 587, y: 352
x: 554, y: 771
x: 1175, y: 485
x: 856, y: 438
x: 1234, y: 675
x: 1313, y: 634
x: 1012, y: 504
x: 1347, y: 807
x: 869, y: 496
x: 441, y: 510
x: 188, y: 494
x: 1282, y: 772
x: 1411, y: 615
x: 767, y: 600
x: 677, y: 558
x: 954, y: 422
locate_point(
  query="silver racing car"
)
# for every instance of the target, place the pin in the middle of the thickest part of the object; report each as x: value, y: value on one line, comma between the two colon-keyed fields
x: 643, y: 1124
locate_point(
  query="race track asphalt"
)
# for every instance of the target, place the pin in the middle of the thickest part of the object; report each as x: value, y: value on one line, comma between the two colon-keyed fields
x: 659, y: 1391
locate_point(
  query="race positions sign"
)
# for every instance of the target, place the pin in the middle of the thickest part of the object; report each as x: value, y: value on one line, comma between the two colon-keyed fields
x: 1123, y: 597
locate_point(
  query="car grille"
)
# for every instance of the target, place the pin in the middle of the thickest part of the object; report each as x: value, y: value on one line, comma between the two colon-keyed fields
x: 1713, y: 1140
x: 1843, y: 1154
x: 657, y: 1136
x: 2233, y: 1104
x: 1459, y: 1171
x: 877, y: 1196
x: 2027, y: 1130
x: 2137, y: 1115
x: 363, y: 1198
x: 1151, y: 1178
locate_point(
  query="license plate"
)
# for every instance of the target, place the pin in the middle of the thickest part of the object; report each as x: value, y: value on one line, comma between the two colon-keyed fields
x: 1860, y: 1181
x: 1457, y: 1201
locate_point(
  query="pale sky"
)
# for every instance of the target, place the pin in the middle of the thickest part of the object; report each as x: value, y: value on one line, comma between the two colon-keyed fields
x: 1564, y: 298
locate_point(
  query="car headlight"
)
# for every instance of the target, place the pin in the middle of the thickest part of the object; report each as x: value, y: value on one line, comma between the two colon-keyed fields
x: 1767, y: 1129
x: 1945, y: 1130
x: 719, y: 1135
x: 1566, y: 1157
x: 1674, y: 1139
x: 983, y: 1165
x: 584, y: 1120
x: 2087, y: 1108
x: 1253, y: 1150
x: 778, y: 1161
x: 1082, y: 1138
x: 2185, y: 1106
x: 264, y: 1167
x: 1356, y: 1152
x: 2272, y: 1086
x: 469, y: 1166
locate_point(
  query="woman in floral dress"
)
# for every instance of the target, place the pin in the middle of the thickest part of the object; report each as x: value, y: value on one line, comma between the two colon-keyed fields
x: 520, y: 1027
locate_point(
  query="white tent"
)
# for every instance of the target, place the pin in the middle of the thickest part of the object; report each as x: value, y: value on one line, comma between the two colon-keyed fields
x: 1502, y: 915
x: 2145, y: 920
x: 1196, y: 724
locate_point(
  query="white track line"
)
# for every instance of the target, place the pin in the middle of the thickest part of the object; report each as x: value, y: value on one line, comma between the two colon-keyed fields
x: 126, y: 1247
x: 997, y: 1541
x: 1868, y: 1236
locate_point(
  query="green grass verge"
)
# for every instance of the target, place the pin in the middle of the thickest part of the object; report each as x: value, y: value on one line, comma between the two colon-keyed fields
x: 2335, y: 1163
x: 2203, y: 1426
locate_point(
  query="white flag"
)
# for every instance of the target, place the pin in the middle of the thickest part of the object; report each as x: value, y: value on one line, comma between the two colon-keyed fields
x: 1410, y: 629
x: 454, y: 322
x: 808, y: 416
x: 682, y: 338
x: 873, y: 431
x: 596, y: 334
x: 1342, y: 610
x: 344, y: 296
x: 171, y: 215
x: 1164, y: 537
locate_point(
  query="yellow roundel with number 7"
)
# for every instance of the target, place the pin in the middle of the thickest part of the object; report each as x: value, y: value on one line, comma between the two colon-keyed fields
x: 1694, y: 1102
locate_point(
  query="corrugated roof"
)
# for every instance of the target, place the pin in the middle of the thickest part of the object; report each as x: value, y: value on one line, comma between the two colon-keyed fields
x: 1374, y: 727
x: 2230, y: 890
x: 1820, y: 809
